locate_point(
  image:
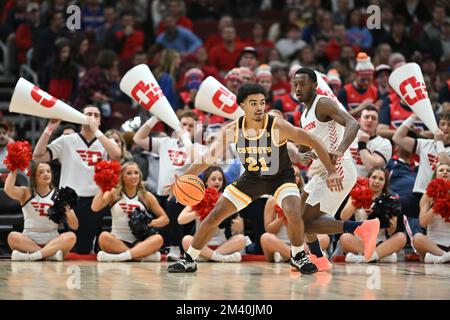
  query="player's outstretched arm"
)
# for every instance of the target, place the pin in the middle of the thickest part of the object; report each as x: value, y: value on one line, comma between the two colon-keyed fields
x: 300, y: 136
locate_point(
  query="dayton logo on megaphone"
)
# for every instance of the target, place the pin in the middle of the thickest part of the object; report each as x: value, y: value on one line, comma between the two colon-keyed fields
x: 38, y: 95
x: 225, y: 101
x: 146, y: 94
x: 413, y: 91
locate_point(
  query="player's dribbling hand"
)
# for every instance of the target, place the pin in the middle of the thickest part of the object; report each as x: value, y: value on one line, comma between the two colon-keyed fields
x: 168, y: 188
x: 334, y: 182
x: 307, y: 157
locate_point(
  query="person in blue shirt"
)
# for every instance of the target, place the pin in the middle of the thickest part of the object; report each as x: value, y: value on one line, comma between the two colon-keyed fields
x: 178, y: 38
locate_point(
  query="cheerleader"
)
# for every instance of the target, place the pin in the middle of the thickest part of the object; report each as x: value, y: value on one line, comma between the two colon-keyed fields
x: 389, y: 241
x: 435, y: 246
x: 275, y: 241
x: 40, y: 238
x: 120, y: 244
x: 220, y: 248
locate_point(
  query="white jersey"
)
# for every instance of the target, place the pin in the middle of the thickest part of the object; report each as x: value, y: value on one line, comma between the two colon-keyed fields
x: 331, y: 133
x: 426, y: 150
x: 376, y: 144
x: 78, y: 158
x: 218, y: 237
x: 173, y: 159
x: 438, y: 231
x: 120, y: 213
x: 35, y: 214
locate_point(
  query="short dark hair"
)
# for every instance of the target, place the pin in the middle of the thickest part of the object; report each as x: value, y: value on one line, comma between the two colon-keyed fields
x: 310, y: 72
x: 249, y: 89
x: 371, y: 107
x: 106, y: 59
x: 92, y: 106
x: 189, y: 114
x: 445, y: 116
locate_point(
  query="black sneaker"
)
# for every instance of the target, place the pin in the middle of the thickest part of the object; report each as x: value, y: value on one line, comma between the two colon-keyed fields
x: 185, y: 265
x: 302, y: 263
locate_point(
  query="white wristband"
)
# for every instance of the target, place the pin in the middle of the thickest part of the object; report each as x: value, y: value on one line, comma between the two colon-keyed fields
x: 440, y: 147
x: 98, y: 134
x: 409, y: 122
x: 151, y: 122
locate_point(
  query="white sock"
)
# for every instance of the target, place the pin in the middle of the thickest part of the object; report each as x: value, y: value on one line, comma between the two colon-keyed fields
x: 194, y: 253
x: 295, y: 250
x: 217, y: 256
x: 124, y: 256
x: 373, y: 257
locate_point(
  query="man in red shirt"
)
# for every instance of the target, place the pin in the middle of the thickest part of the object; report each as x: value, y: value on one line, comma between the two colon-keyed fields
x: 128, y: 41
x: 225, y: 55
x: 177, y: 10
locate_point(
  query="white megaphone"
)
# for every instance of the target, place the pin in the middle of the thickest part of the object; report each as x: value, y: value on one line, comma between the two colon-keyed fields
x: 215, y: 98
x: 408, y: 83
x: 140, y: 85
x: 30, y: 99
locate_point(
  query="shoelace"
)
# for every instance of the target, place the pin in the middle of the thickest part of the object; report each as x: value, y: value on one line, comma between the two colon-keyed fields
x: 303, y: 261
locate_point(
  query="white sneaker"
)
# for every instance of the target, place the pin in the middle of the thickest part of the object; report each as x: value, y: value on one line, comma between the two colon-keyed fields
x: 58, y: 256
x: 234, y: 257
x: 392, y: 258
x: 20, y: 256
x: 103, y: 256
x: 446, y: 257
x: 174, y: 254
x: 154, y: 257
x: 431, y: 258
x: 354, y: 258
x: 277, y: 257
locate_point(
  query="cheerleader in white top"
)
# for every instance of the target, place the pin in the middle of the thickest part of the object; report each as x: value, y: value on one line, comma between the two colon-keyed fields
x: 275, y: 241
x: 40, y: 238
x: 121, y: 244
x: 435, y: 217
x: 219, y: 248
x: 389, y: 242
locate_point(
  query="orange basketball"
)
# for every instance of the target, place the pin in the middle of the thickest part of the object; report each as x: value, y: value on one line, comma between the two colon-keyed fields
x: 189, y: 190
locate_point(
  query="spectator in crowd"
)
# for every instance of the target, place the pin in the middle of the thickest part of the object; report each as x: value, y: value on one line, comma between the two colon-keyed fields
x: 443, y: 47
x: 248, y: 58
x: 288, y: 103
x: 361, y: 93
x: 382, y: 73
x: 413, y: 11
x: 219, y: 248
x: 233, y: 80
x: 201, y: 57
x: 258, y: 40
x: 432, y: 29
x: 110, y: 26
x: 263, y: 76
x: 14, y: 18
x: 341, y: 9
x: 370, y: 150
x: 224, y: 55
x: 95, y: 86
x: 121, y: 244
x: 435, y: 246
x: 40, y: 238
x: 334, y: 81
x: 337, y: 42
x: 382, y: 32
x: 28, y: 32
x: 444, y: 93
x: 128, y: 40
x: 92, y: 16
x: 400, y: 40
x: 396, y: 59
x: 79, y: 48
x: 202, y: 10
x: 430, y: 151
x: 166, y: 74
x: 61, y: 74
x: 178, y: 38
x: 290, y: 42
x: 177, y: 10
x: 356, y: 32
x: 158, y: 10
x: 389, y: 240
x: 280, y: 79
x: 78, y: 154
x: 320, y: 53
x: 277, y: 29
x: 382, y: 54
x: 224, y: 21
x: 120, y: 141
x: 322, y: 28
x: 48, y: 6
x: 247, y: 75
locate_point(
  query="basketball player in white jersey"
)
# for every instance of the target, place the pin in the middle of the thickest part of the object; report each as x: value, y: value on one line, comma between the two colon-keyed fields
x: 120, y: 244
x: 324, y: 119
x: 175, y: 155
x: 40, y: 238
x: 431, y: 152
x: 78, y: 154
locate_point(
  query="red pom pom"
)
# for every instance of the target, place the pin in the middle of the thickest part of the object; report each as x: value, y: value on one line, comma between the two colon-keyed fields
x: 362, y: 194
x: 280, y: 213
x: 19, y: 155
x: 106, y: 174
x: 442, y: 208
x: 438, y: 188
x: 204, y: 207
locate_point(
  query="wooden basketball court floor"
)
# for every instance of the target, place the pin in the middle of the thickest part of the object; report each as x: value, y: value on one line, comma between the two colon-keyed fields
x: 216, y: 281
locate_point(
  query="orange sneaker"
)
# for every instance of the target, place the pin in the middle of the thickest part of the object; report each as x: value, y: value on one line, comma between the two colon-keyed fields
x: 322, y: 263
x: 368, y: 232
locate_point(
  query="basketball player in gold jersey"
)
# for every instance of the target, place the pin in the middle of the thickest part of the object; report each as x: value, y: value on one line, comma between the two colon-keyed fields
x: 261, y: 145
